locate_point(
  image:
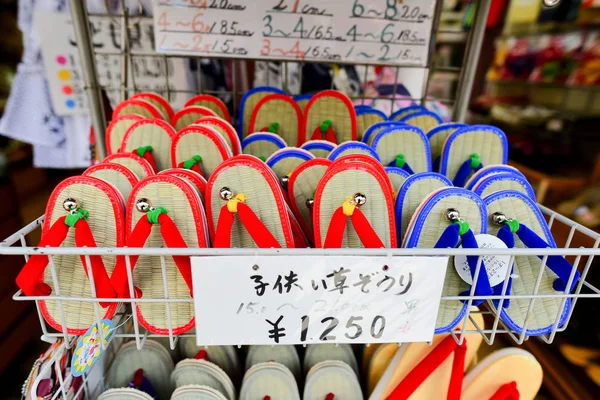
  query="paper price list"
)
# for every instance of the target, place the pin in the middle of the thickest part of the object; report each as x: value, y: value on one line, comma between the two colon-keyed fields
x: 363, y: 31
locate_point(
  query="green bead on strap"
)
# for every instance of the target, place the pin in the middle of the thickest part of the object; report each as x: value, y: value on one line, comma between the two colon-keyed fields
x: 155, y: 213
x: 513, y: 224
x: 262, y: 158
x: 400, y: 160
x: 273, y: 128
x: 475, y: 160
x: 74, y: 216
x: 325, y: 125
x: 143, y: 150
x: 463, y: 227
x: 188, y: 164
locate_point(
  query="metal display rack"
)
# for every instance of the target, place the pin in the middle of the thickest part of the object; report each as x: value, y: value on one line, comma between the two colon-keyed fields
x: 16, y: 244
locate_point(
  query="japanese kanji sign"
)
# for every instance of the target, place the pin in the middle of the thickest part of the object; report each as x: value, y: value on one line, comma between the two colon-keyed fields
x: 311, y: 299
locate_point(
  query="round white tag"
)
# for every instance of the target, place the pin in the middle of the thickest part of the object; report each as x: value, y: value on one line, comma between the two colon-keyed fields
x: 496, y: 266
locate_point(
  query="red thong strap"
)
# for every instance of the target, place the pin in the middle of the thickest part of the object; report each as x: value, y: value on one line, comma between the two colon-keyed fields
x: 173, y: 239
x: 192, y: 164
x: 324, y: 132
x: 259, y: 232
x: 330, y: 396
x: 364, y: 230
x: 146, y: 153
x: 31, y: 277
x: 429, y: 364
x: 508, y: 391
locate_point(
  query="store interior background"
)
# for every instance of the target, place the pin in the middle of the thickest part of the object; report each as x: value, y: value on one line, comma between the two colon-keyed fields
x: 538, y: 80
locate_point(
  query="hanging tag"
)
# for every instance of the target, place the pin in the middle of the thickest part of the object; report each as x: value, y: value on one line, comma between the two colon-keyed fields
x: 89, y: 349
x: 495, y: 265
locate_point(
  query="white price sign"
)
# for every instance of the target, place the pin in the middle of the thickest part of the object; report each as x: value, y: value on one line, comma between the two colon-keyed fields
x: 309, y: 299
x: 367, y: 31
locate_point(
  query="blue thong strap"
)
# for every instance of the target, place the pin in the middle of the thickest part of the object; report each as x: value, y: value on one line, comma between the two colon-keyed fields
x: 400, y: 162
x: 473, y: 164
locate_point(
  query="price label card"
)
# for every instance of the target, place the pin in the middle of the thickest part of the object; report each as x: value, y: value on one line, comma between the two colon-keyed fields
x: 309, y: 299
x: 63, y: 67
x: 395, y: 32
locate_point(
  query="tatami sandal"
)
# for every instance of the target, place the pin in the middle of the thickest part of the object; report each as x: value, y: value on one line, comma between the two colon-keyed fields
x: 193, y: 177
x: 437, y: 136
x: 415, y: 189
x: 269, y: 380
x: 197, y: 392
x: 352, y: 147
x: 491, y: 170
x: 249, y: 100
x: 139, y: 165
x: 318, y: 148
x: 366, y: 117
x: 174, y: 205
x: 403, y: 112
x: 316, y: 353
x: 358, y: 190
x: 226, y: 130
x: 157, y: 101
x: 262, y: 145
x: 186, y: 116
x: 329, y: 380
x: 469, y: 149
x: 509, y: 373
x: 152, y: 363
x: 204, y: 373
x: 150, y: 139
x: 330, y: 115
x: 82, y: 212
x: 404, y: 147
x: 378, y: 127
x: 139, y: 107
x: 115, y: 132
x: 278, y: 114
x: 285, y: 161
x: 223, y: 356
x: 285, y: 355
x: 199, y: 148
x: 212, y: 103
x: 121, y: 177
x: 445, y: 218
x: 503, y: 181
x: 397, y: 176
x: 245, y: 187
x: 518, y: 222
x: 124, y: 394
x: 425, y: 120
x: 301, y: 188
x: 420, y: 370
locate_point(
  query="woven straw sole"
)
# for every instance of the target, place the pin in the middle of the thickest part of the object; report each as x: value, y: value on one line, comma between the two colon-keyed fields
x: 137, y: 107
x: 318, y: 148
x: 155, y: 133
x: 285, y: 355
x: 203, y: 141
x: 502, y: 367
x: 157, y: 101
x: 334, y: 106
x: 317, y: 353
x: 201, y: 372
x: 397, y: 179
x: 400, y: 114
x: 106, y: 223
x: 183, y: 206
x: 408, y: 141
x: 212, y: 103
x: 269, y: 379
x: 115, y: 132
x: 188, y: 115
x: 226, y: 130
x: 491, y: 170
x: 425, y: 229
x: 424, y: 122
x: 121, y: 177
x: 153, y: 358
x: 197, y: 180
x: 498, y: 182
x: 252, y: 177
x: 197, y: 392
x: 488, y: 142
x: 301, y: 187
x: 283, y: 110
x: 342, y: 181
x: 331, y: 377
x: 527, y: 268
x: 412, y: 194
x: 373, y: 130
x: 352, y: 147
x: 408, y: 356
x: 364, y: 121
x: 250, y: 100
x: 262, y: 147
x: 140, y: 166
x: 124, y: 394
x: 438, y: 136
x: 286, y: 160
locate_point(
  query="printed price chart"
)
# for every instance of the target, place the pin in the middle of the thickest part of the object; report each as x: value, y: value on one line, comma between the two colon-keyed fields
x: 379, y: 32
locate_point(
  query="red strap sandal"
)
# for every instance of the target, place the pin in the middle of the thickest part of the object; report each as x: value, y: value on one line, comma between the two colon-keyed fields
x: 146, y: 153
x: 193, y: 164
